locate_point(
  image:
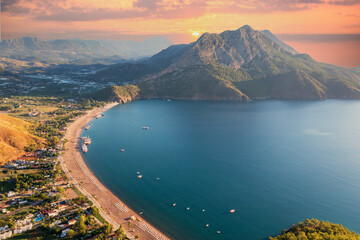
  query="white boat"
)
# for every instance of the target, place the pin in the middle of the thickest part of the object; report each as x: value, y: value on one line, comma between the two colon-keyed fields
x: 84, y: 148
x: 203, y: 210
x: 139, y: 176
x: 122, y: 150
x: 218, y: 232
x: 88, y: 127
x: 86, y: 140
x: 232, y: 211
x: 174, y: 204
x: 187, y: 209
x: 207, y: 225
x: 146, y: 128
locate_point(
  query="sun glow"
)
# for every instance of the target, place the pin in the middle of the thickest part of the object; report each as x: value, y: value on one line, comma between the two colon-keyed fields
x: 195, y: 34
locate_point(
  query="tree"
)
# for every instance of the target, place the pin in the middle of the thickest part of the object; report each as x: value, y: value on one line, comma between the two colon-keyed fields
x: 107, y: 228
x: 60, y: 189
x: 80, y: 224
x: 90, y: 220
x: 101, y: 237
x: 94, y: 210
x: 121, y: 232
x: 314, y: 229
x: 71, y: 233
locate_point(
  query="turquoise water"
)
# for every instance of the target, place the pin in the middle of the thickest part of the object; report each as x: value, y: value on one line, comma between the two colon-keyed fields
x: 275, y: 162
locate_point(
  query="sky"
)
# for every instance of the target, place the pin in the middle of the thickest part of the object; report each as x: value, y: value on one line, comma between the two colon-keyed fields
x: 328, y: 30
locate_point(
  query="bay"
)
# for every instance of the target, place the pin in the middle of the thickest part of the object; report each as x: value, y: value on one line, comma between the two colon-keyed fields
x: 275, y: 162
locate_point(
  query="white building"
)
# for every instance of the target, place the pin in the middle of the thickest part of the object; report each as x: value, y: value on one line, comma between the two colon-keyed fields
x: 65, y: 232
x: 11, y: 194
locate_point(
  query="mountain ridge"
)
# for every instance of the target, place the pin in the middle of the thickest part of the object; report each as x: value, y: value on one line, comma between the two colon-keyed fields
x: 254, y: 63
x: 60, y: 51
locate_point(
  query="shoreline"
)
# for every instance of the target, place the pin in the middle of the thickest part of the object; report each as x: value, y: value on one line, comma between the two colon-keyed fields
x: 111, y: 208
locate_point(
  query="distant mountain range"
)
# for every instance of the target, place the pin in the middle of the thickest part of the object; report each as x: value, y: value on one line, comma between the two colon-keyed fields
x: 77, y: 51
x: 244, y: 64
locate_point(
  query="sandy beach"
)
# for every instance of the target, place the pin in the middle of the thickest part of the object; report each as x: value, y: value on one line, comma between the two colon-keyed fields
x: 110, y: 206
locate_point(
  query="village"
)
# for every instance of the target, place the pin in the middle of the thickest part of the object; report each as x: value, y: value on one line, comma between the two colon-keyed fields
x: 36, y: 199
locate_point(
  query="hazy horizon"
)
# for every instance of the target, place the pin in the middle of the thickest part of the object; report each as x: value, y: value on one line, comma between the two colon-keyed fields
x: 328, y: 30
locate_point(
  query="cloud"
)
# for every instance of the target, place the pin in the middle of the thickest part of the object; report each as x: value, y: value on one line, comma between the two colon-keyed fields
x: 344, y: 2
x: 14, y: 7
x: 71, y: 10
x: 319, y: 37
x: 93, y: 10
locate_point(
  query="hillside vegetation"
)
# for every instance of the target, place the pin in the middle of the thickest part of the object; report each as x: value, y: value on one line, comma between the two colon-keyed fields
x: 121, y: 94
x: 14, y: 137
x: 315, y: 229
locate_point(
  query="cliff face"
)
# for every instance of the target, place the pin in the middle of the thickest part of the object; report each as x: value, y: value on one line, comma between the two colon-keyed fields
x: 120, y: 94
x: 239, y: 65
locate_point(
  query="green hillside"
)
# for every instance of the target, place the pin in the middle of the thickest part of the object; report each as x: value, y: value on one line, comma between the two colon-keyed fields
x: 315, y: 229
x: 193, y: 83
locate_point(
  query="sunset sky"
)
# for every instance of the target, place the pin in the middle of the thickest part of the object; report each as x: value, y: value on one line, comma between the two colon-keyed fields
x: 329, y: 30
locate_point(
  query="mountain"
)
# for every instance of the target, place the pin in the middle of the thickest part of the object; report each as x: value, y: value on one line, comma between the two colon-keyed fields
x: 77, y: 51
x: 14, y: 136
x: 8, y: 63
x: 244, y: 64
x: 283, y: 45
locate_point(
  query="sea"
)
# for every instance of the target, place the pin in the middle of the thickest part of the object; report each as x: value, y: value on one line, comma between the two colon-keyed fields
x: 275, y: 163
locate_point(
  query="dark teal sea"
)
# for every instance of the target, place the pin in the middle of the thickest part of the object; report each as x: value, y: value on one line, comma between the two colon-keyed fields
x: 275, y: 162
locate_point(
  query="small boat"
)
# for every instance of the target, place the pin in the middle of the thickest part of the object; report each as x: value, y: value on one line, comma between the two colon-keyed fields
x: 122, y: 150
x: 203, y: 210
x: 146, y: 128
x: 84, y: 148
x: 138, y: 173
x: 232, y: 211
x: 139, y: 176
x: 141, y: 213
x: 187, y: 209
x: 218, y: 232
x: 86, y: 140
x: 88, y: 127
x: 174, y: 204
x: 157, y: 178
x: 207, y: 225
